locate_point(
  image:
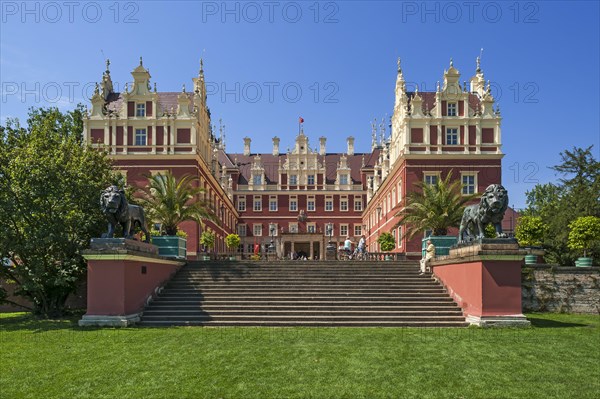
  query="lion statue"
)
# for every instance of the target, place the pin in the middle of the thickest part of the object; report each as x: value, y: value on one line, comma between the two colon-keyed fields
x: 118, y: 211
x: 490, y: 209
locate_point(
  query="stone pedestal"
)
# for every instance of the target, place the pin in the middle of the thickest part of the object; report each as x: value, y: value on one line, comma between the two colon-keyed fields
x: 484, y: 278
x: 122, y: 277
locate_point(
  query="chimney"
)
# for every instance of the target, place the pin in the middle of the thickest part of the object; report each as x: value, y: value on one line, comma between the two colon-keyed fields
x: 247, y: 141
x: 275, y: 146
x: 322, y: 141
x: 350, y: 141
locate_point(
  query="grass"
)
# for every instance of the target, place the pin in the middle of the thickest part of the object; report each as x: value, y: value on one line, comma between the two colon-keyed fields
x: 559, y: 357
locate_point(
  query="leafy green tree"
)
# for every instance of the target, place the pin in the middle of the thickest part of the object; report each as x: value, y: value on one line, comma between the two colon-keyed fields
x: 386, y: 241
x: 207, y: 239
x: 232, y: 241
x: 585, y: 231
x: 530, y: 231
x: 171, y: 201
x: 50, y: 184
x: 576, y: 194
x: 434, y: 206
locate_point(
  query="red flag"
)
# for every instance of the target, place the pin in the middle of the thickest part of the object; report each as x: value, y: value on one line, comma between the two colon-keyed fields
x: 301, y: 120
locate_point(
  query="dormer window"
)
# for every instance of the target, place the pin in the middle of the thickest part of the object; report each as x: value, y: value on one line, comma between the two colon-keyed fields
x: 451, y: 109
x: 140, y: 109
x: 257, y: 180
x: 343, y: 179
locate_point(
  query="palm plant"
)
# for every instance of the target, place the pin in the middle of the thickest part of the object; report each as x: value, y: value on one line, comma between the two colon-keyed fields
x: 436, y: 207
x: 170, y: 201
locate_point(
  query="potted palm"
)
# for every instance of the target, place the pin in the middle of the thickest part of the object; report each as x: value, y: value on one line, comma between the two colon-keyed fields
x: 585, y: 232
x: 207, y: 240
x: 435, y: 207
x: 170, y: 201
x: 233, y: 242
x: 530, y: 232
x: 387, y: 242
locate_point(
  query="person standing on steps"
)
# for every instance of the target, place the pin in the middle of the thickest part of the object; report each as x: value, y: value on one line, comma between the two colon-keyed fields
x: 429, y: 254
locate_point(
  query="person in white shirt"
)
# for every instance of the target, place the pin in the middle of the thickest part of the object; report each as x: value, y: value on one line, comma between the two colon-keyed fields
x: 429, y: 254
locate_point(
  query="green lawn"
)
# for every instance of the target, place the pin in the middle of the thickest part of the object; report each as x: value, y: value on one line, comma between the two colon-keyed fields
x: 559, y: 357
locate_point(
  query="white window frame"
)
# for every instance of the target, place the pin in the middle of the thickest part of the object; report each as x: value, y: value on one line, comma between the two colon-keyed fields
x: 343, y: 204
x: 311, y: 203
x: 140, y: 133
x: 329, y: 204
x: 358, y: 204
x: 357, y: 230
x: 293, y: 227
x: 293, y: 180
x: 344, y: 230
x: 294, y: 201
x: 452, y: 133
x: 257, y: 228
x: 468, y: 174
x: 241, y: 204
x: 344, y: 179
x: 140, y: 110
x: 310, y: 180
x: 273, y: 200
x: 257, y: 179
x: 257, y: 200
x: 311, y: 227
x: 431, y: 174
x: 276, y: 229
x: 451, y: 109
x: 242, y: 230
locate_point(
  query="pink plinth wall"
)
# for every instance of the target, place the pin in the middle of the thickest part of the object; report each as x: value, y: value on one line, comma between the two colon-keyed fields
x: 118, y: 287
x: 483, y: 288
x: 485, y: 281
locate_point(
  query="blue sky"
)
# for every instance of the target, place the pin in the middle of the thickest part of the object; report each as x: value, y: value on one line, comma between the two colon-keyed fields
x: 333, y: 63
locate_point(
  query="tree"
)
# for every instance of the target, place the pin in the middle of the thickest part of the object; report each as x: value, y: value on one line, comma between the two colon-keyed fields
x: 207, y: 239
x: 386, y: 241
x: 530, y: 231
x: 576, y: 194
x: 436, y: 207
x: 232, y: 241
x: 50, y: 184
x: 169, y: 201
x: 584, y: 232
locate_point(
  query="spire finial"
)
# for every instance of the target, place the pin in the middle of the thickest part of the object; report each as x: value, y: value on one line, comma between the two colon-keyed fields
x: 107, y: 65
x: 141, y: 61
x: 478, y: 61
x: 201, y: 73
x: 399, y: 67
x: 155, y: 87
x: 183, y: 88
x: 97, y: 89
x: 437, y: 87
x: 416, y: 90
x: 451, y: 63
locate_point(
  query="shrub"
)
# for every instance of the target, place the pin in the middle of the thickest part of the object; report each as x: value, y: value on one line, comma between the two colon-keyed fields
x: 530, y: 231
x: 585, y: 231
x: 386, y: 242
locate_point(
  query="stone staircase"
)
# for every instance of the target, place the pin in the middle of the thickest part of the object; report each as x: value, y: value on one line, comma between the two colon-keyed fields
x: 296, y: 293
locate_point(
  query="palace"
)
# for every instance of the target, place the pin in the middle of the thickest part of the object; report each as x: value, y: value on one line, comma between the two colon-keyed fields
x: 300, y: 199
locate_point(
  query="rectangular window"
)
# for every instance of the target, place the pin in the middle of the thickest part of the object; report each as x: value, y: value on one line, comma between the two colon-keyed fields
x: 451, y: 109
x: 343, y: 179
x: 310, y: 204
x: 140, y: 109
x: 310, y: 228
x: 273, y: 204
x: 257, y: 204
x: 343, y: 230
x: 358, y: 204
x: 452, y: 136
x: 293, y: 227
x: 468, y: 184
x: 257, y: 180
x: 431, y: 178
x: 241, y: 230
x: 257, y: 229
x: 344, y: 204
x: 250, y: 248
x: 293, y: 204
x: 293, y: 180
x: 329, y: 204
x: 242, y: 204
x: 357, y: 230
x: 140, y: 136
x: 311, y: 180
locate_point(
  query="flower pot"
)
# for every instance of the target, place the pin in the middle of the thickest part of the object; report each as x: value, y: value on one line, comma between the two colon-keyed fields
x: 171, y: 246
x: 530, y: 259
x: 388, y: 257
x: 584, y: 262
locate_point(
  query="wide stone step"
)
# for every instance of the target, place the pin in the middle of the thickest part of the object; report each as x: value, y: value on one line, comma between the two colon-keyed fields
x: 296, y: 307
x: 292, y: 303
x: 299, y: 286
x: 293, y: 317
x: 305, y: 323
x: 298, y: 312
